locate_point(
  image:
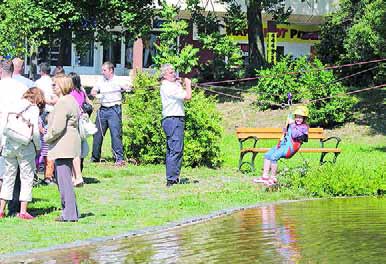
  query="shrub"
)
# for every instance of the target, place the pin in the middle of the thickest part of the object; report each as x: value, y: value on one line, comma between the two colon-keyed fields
x: 144, y: 139
x: 312, y: 82
x: 332, y: 181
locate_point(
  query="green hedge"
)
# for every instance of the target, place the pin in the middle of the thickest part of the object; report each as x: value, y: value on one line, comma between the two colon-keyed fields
x: 144, y: 139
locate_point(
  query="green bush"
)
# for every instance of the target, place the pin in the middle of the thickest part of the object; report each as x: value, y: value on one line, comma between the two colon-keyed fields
x: 329, y: 180
x: 144, y: 139
x: 311, y: 83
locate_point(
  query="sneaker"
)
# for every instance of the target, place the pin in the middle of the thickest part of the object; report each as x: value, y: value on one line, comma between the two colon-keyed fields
x: 120, y: 163
x: 25, y: 216
x: 261, y: 179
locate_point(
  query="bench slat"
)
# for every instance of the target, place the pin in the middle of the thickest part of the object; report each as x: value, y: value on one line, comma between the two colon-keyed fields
x: 304, y: 150
x: 271, y: 130
x: 275, y: 133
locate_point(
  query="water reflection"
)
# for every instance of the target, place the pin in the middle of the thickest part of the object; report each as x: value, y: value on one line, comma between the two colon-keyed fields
x: 323, y: 231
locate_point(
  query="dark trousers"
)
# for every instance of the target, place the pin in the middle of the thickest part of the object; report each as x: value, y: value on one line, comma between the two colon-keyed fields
x: 108, y: 117
x: 14, y: 204
x: 64, y: 177
x: 174, y: 131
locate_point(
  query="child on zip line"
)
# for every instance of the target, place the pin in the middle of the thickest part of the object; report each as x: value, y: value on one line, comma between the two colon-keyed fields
x: 295, y: 133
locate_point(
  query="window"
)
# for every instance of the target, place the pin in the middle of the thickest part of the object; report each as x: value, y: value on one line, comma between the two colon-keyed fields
x: 129, y: 51
x: 86, y: 58
x: 149, y: 50
x: 112, y: 50
x: 58, y: 51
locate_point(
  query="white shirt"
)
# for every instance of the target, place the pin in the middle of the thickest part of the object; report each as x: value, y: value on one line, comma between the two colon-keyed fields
x: 31, y: 114
x: 27, y: 82
x: 45, y: 84
x: 110, y: 92
x: 11, y: 92
x: 172, y: 98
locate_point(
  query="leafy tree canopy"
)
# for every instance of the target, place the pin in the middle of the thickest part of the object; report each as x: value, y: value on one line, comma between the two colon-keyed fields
x: 35, y: 21
x: 355, y: 32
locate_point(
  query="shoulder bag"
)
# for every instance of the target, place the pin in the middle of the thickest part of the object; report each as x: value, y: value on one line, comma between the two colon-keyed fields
x: 86, y: 107
x: 18, y: 128
x: 86, y: 127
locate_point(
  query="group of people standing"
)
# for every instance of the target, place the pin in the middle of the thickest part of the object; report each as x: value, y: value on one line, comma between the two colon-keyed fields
x: 53, y: 106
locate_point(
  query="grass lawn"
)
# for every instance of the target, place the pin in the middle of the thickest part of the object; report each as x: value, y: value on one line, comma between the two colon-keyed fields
x: 117, y: 200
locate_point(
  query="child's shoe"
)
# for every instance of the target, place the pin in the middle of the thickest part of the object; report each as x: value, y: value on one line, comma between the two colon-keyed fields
x: 271, y: 182
x: 261, y: 179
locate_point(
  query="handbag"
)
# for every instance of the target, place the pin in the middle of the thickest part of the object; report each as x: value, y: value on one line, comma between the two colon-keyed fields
x: 86, y: 127
x: 18, y: 128
x: 86, y: 107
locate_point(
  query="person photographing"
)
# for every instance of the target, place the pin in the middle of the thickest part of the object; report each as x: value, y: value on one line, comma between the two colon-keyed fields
x: 173, y: 96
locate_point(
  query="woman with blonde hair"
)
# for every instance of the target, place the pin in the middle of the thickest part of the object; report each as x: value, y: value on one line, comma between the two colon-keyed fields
x: 19, y: 154
x: 64, y: 144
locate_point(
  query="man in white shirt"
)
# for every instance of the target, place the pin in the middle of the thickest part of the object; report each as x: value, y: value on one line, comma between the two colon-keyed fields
x: 173, y: 122
x: 45, y: 84
x: 11, y: 92
x: 18, y: 69
x: 109, y: 114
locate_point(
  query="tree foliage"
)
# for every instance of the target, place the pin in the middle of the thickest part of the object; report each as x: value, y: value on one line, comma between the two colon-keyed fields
x: 227, y: 57
x: 355, y: 32
x: 36, y: 21
x: 168, y: 50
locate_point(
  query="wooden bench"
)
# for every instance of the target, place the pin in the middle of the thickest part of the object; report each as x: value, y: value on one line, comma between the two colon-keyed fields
x: 256, y: 134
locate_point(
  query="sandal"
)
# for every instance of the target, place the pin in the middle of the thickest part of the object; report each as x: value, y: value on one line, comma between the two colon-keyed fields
x: 271, y: 182
x: 261, y: 179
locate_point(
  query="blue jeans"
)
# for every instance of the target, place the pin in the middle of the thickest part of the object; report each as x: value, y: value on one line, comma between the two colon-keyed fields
x: 108, y: 117
x: 174, y: 131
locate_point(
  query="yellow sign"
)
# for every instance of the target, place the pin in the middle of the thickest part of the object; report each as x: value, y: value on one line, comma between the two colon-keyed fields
x: 290, y: 33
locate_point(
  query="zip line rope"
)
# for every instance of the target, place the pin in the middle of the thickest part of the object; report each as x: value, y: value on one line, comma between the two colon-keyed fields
x: 310, y: 101
x: 291, y: 73
x: 246, y: 90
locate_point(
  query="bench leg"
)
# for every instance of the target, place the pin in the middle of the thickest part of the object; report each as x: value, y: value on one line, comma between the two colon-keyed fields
x: 251, y: 163
x: 322, y: 161
x: 322, y: 158
x: 336, y: 156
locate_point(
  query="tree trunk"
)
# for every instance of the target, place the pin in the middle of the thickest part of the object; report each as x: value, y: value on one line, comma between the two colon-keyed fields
x: 255, y: 35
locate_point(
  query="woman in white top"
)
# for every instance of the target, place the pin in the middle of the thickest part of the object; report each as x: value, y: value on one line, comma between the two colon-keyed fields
x: 21, y: 155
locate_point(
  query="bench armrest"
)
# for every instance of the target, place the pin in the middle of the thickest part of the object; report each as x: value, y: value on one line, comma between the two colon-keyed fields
x: 338, y: 140
x: 241, y: 141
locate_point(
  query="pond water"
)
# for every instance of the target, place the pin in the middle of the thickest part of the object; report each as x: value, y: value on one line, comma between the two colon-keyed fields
x: 316, y: 231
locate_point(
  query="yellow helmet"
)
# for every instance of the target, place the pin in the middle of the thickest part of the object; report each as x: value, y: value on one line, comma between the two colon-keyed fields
x: 302, y: 111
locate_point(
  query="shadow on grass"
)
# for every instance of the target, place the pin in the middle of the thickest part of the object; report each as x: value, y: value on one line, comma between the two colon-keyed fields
x: 89, y: 180
x: 43, y: 211
x: 373, y: 110
x: 382, y: 149
x: 84, y: 215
